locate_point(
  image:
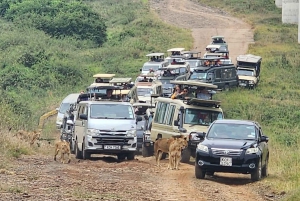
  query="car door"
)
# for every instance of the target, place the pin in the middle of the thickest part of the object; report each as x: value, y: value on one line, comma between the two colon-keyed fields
x: 263, y: 146
x: 80, y: 124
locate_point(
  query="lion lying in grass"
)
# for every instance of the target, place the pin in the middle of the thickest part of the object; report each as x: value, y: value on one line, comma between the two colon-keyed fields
x: 162, y: 146
x: 175, y: 150
x: 30, y: 137
x: 64, y: 148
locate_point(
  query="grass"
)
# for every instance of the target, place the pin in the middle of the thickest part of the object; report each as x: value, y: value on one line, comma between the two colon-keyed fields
x: 274, y: 103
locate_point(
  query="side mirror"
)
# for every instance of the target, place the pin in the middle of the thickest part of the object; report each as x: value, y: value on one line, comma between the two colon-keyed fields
x: 154, y: 95
x: 57, y: 109
x: 176, y: 123
x: 182, y: 130
x: 139, y: 118
x: 264, y: 138
x: 70, y: 122
x: 201, y: 135
x: 83, y: 116
x: 146, y: 117
x: 140, y: 69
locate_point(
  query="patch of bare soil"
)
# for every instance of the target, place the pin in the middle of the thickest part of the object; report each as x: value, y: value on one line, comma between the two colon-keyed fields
x: 206, y: 22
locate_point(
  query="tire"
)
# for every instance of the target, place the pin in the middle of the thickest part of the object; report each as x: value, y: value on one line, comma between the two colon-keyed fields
x: 130, y: 156
x: 256, y: 175
x: 199, y: 173
x: 78, y: 154
x: 121, y: 157
x: 185, y: 155
x: 145, y: 151
x: 85, y: 155
x: 264, y: 172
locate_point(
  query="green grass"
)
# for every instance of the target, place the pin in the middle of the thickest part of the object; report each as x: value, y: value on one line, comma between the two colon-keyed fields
x: 275, y: 102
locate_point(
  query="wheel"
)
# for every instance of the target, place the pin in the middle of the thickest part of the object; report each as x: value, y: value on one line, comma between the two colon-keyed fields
x: 130, y: 156
x: 256, y: 175
x: 210, y: 173
x: 72, y: 146
x: 78, y: 153
x: 199, y: 173
x: 85, y: 155
x: 145, y: 151
x: 121, y: 157
x: 265, y: 168
x: 185, y: 155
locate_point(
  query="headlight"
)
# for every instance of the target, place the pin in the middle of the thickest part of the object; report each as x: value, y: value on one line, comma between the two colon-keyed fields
x: 92, y: 132
x: 193, y: 136
x: 202, y: 147
x: 131, y: 133
x: 147, y: 138
x: 252, y: 150
x: 251, y: 82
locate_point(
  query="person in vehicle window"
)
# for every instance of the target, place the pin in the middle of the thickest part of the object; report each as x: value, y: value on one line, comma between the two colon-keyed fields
x: 173, y: 62
x: 167, y: 73
x: 108, y: 94
x: 99, y: 80
x: 144, y: 80
x: 202, y: 93
x: 176, y: 92
x: 184, y: 94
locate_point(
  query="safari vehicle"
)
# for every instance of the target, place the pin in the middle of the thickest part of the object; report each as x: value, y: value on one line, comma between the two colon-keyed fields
x: 149, y: 76
x: 147, y: 144
x: 233, y: 146
x: 103, y: 78
x: 173, y: 117
x: 178, y: 71
x: 248, y: 70
x: 145, y: 89
x: 193, y: 58
x: 225, y: 54
x: 219, y: 40
x: 224, y: 76
x: 106, y: 126
x: 142, y: 110
x: 175, y: 54
x: 156, y: 61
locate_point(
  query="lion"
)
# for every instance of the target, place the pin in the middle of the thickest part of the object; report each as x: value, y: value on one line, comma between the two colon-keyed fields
x: 162, y: 145
x: 30, y: 137
x: 64, y: 148
x: 175, y: 150
x: 21, y: 135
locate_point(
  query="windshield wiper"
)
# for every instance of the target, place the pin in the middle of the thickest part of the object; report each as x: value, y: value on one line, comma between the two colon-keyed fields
x: 103, y: 118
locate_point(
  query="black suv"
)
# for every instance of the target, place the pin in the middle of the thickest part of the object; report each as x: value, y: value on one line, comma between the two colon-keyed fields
x: 234, y: 146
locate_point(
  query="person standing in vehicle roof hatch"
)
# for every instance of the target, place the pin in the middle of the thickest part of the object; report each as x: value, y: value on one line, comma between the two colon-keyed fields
x: 176, y: 92
x: 108, y: 94
x: 99, y: 80
x: 202, y: 93
x: 184, y: 94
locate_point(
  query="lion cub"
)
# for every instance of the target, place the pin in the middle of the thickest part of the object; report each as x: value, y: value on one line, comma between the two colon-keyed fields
x: 64, y: 148
x: 175, y: 150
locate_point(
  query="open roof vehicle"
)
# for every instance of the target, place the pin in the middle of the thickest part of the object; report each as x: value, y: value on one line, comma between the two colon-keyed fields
x: 174, y: 117
x: 192, y: 57
x: 248, y: 69
x: 156, y: 61
x: 218, y: 40
x: 175, y: 54
x: 149, y: 76
x: 156, y: 57
x: 103, y: 78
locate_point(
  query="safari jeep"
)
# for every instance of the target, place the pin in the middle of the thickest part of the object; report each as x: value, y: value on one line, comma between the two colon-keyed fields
x: 248, y: 70
x: 174, y: 117
x: 145, y: 89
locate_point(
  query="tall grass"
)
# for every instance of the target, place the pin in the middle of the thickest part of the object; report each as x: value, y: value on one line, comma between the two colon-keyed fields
x: 275, y: 102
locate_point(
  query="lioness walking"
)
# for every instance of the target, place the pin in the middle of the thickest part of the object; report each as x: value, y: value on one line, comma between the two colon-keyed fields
x: 64, y: 148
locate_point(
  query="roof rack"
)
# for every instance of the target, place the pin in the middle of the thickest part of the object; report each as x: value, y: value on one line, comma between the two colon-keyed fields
x: 203, y: 103
x: 120, y: 80
x: 157, y: 54
x: 194, y: 83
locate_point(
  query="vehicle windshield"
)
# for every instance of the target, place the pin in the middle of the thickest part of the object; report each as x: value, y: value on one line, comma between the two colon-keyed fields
x: 144, y: 91
x: 232, y: 131
x: 111, y: 111
x: 64, y: 107
x: 245, y: 72
x: 201, y: 117
x: 147, y: 68
x: 195, y: 63
x: 198, y: 76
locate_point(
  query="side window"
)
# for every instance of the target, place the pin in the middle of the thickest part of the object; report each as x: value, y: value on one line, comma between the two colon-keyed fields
x: 158, y: 110
x: 79, y: 112
x: 169, y: 119
x: 162, y: 113
x: 218, y: 73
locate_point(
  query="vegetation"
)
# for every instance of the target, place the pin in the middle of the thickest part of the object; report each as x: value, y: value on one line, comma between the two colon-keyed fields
x: 274, y: 103
x: 52, y: 48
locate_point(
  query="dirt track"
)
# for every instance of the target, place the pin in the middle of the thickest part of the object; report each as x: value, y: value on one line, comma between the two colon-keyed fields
x: 104, y: 178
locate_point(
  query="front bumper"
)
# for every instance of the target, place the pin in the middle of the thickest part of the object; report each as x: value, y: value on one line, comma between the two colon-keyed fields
x: 240, y: 164
x: 110, y: 144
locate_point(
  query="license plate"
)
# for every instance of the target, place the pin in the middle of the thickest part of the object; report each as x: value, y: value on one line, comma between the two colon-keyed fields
x: 225, y: 161
x: 242, y: 84
x: 112, y: 147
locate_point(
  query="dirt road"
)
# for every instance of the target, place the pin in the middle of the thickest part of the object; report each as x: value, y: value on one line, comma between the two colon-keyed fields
x: 205, y: 23
x: 39, y: 177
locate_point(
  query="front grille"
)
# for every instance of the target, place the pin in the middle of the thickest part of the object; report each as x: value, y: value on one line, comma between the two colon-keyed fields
x: 112, y: 137
x: 243, y: 81
x: 227, y: 152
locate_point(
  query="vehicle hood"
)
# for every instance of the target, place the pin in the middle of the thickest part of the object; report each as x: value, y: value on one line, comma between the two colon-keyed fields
x: 228, y: 144
x: 144, y: 98
x: 243, y: 77
x: 112, y: 124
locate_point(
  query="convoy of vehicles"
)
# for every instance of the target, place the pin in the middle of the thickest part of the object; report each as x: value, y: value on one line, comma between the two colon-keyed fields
x: 118, y: 117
